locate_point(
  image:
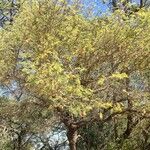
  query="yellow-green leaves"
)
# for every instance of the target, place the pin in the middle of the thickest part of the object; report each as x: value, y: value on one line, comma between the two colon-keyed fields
x: 67, y: 58
x: 100, y: 115
x: 101, y: 80
x: 119, y: 75
x: 118, y: 107
x: 102, y: 104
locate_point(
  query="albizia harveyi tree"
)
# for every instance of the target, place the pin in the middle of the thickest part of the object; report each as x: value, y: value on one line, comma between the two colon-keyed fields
x: 82, y: 68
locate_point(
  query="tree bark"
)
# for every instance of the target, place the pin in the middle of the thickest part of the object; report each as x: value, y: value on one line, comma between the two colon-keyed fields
x: 129, y: 115
x: 19, y: 141
x: 141, y: 3
x: 72, y: 138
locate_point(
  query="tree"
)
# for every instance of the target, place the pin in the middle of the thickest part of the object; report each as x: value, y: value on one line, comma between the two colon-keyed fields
x: 8, y: 9
x: 23, y: 122
x: 128, y: 6
x: 79, y: 67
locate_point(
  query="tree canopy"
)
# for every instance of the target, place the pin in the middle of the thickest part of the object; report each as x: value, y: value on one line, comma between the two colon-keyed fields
x: 81, y: 69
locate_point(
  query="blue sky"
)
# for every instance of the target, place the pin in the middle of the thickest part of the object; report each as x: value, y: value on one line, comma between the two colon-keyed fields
x: 99, y: 6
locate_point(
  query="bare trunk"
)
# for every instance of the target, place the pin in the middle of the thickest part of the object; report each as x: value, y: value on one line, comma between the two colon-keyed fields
x: 141, y: 3
x: 72, y: 138
x: 19, y: 142
x: 129, y: 115
x: 11, y: 12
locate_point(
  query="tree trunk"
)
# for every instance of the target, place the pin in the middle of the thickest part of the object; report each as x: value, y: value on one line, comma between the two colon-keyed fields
x: 11, y: 12
x: 72, y: 138
x: 19, y: 142
x: 141, y: 3
x: 129, y: 115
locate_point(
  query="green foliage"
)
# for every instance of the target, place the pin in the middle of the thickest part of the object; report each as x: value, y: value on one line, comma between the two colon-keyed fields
x: 52, y: 47
x: 80, y: 67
